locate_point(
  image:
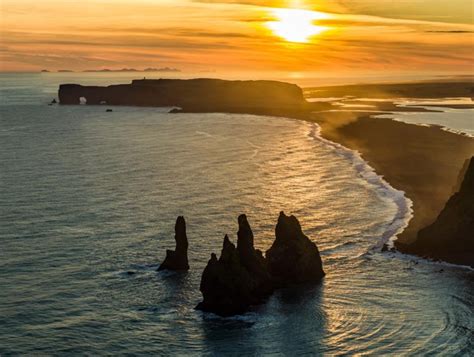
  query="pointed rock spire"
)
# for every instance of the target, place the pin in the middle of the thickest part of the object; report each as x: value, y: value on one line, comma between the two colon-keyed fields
x: 242, y: 277
x: 237, y: 280
x: 177, y: 259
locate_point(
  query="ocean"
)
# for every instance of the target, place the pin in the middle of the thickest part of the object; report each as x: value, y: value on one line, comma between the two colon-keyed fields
x: 88, y: 202
x: 460, y: 121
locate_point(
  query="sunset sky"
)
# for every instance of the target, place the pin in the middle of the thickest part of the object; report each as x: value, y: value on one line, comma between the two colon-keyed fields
x: 345, y: 36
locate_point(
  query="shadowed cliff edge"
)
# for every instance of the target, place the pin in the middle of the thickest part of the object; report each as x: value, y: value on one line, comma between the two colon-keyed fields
x: 422, y: 161
x: 451, y: 236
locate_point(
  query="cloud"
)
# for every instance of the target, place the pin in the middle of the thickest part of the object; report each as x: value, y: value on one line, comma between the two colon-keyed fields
x: 449, y: 31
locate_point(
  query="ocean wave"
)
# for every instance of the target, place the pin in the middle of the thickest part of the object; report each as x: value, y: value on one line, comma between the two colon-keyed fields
x: 383, y: 188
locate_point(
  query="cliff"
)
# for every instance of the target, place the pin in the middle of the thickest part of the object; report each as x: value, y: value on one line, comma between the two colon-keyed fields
x: 451, y: 236
x: 194, y: 95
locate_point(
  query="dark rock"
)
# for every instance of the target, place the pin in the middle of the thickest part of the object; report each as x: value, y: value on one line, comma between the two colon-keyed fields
x: 385, y: 247
x: 451, y: 236
x: 109, y: 110
x: 242, y: 277
x: 177, y: 259
x: 293, y: 258
x: 54, y: 101
x: 194, y: 95
x: 175, y: 111
x: 237, y: 280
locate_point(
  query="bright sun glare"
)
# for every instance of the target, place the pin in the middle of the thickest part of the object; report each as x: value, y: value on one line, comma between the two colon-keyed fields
x: 296, y: 25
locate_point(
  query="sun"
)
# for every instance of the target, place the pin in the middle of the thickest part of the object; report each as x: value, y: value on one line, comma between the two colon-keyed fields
x: 296, y: 25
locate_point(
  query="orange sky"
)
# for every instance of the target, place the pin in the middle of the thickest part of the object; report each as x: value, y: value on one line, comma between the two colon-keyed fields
x: 345, y: 36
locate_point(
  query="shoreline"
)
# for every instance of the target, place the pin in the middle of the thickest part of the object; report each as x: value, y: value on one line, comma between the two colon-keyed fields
x: 404, y: 209
x: 426, y: 182
x: 426, y: 169
x: 422, y: 161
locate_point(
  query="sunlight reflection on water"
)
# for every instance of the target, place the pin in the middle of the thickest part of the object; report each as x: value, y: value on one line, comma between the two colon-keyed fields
x: 88, y: 206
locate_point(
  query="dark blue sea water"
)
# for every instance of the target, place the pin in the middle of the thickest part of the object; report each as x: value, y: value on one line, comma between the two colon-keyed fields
x: 88, y: 201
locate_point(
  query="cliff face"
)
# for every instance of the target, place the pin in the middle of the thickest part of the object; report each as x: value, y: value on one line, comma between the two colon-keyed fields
x: 451, y: 236
x: 198, y: 95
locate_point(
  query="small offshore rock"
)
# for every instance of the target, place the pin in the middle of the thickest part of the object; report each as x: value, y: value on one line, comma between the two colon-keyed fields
x: 177, y: 259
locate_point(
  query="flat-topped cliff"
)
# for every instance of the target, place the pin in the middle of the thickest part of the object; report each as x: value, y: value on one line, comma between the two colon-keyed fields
x: 196, y: 95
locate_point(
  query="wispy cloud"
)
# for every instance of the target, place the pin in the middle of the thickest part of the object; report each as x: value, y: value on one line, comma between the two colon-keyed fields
x: 196, y: 35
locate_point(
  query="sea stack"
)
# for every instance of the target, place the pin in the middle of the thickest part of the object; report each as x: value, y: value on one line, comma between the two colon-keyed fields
x: 451, y: 236
x: 242, y: 277
x: 293, y: 258
x: 238, y: 279
x: 177, y: 259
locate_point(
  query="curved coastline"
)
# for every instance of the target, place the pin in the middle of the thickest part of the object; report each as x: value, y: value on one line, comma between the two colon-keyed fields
x: 381, y: 186
x: 431, y: 173
x: 404, y: 204
x: 421, y: 162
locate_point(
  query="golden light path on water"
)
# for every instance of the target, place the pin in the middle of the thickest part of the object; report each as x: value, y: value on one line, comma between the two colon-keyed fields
x: 296, y: 25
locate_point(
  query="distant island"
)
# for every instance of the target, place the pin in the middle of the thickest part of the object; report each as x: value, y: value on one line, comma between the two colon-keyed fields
x: 150, y: 69
x: 422, y: 161
x: 108, y: 70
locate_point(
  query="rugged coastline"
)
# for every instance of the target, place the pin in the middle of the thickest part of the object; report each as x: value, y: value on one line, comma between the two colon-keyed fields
x: 424, y: 162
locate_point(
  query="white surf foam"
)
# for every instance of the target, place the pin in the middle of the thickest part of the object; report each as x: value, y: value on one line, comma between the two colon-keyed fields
x: 383, y: 188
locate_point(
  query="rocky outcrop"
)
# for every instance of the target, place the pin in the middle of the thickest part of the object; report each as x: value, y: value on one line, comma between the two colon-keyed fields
x: 238, y: 279
x: 194, y: 95
x: 242, y: 277
x: 177, y: 259
x: 451, y: 236
x: 293, y: 258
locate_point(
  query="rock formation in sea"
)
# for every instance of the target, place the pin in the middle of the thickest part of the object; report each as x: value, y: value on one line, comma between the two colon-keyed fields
x: 451, y: 236
x: 194, y: 95
x: 293, y: 258
x: 238, y: 279
x: 242, y: 277
x: 177, y: 259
